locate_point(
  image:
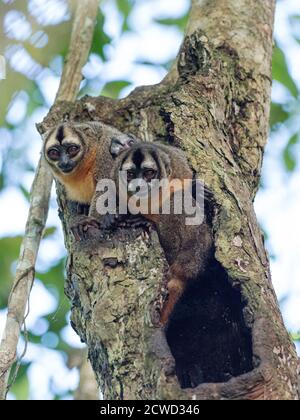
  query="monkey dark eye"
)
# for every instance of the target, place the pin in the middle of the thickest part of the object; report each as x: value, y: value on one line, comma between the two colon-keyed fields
x: 149, y: 174
x: 73, y: 151
x: 130, y: 175
x: 53, y: 154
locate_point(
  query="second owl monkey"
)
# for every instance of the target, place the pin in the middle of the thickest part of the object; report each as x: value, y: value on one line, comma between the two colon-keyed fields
x: 188, y: 248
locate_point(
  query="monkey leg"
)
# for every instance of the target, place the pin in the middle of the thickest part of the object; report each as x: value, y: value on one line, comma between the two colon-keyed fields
x: 176, y: 287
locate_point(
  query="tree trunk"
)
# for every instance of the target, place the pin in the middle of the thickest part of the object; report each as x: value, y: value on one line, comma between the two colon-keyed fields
x: 226, y: 339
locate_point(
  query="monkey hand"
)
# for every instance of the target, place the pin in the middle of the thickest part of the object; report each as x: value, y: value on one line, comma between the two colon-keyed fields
x: 133, y: 222
x: 109, y: 222
x: 85, y: 227
x: 112, y: 222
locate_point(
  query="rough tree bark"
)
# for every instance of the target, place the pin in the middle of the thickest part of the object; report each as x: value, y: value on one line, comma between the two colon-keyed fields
x: 226, y: 339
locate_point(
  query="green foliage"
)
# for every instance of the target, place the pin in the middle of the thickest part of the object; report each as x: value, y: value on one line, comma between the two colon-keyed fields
x: 58, y: 41
x: 281, y: 71
x: 125, y: 8
x: 179, y: 23
x: 9, y: 252
x: 278, y: 115
x: 20, y: 388
x: 289, y: 157
x: 54, y: 278
x: 296, y: 336
x: 113, y: 89
x: 1, y: 181
x: 25, y: 192
x: 101, y: 39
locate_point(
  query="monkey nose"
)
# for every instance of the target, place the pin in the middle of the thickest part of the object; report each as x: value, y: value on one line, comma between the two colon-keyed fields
x: 66, y: 167
x: 131, y: 187
x: 138, y: 187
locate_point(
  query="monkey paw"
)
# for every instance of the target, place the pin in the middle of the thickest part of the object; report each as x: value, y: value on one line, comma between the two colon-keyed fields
x: 85, y: 228
x: 109, y: 222
x: 134, y: 222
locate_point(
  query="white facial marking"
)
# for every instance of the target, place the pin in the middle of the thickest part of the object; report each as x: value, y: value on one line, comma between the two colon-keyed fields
x: 52, y: 141
x: 128, y: 166
x: 149, y: 164
x: 73, y: 139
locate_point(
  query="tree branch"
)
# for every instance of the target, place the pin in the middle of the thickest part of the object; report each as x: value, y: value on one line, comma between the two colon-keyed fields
x: 81, y: 39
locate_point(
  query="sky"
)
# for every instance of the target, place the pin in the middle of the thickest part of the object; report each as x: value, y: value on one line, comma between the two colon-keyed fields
x: 277, y: 204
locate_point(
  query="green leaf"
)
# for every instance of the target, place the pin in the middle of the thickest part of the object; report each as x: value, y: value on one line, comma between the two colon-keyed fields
x: 281, y: 71
x: 1, y: 181
x: 20, y: 388
x: 50, y: 231
x: 35, y: 99
x: 9, y: 252
x: 113, y: 89
x: 25, y: 192
x: 289, y: 158
x: 179, y: 22
x: 278, y: 115
x: 295, y: 336
x: 53, y: 280
x: 101, y: 39
x: 54, y: 277
x: 125, y: 8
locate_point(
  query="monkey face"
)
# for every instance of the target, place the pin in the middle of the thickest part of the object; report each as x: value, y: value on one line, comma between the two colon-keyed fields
x: 121, y: 143
x: 63, y: 150
x: 140, y: 168
x: 63, y: 156
x: 144, y: 174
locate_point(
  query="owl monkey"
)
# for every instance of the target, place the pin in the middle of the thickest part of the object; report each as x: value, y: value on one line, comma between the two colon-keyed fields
x: 188, y: 248
x: 81, y: 154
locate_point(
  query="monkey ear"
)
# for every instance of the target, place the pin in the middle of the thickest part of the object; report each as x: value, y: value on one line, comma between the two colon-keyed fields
x: 46, y: 135
x: 119, y: 144
x: 168, y: 169
x: 167, y: 165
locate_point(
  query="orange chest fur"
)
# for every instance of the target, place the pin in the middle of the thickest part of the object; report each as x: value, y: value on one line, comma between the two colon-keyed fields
x: 81, y: 190
x: 81, y: 185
